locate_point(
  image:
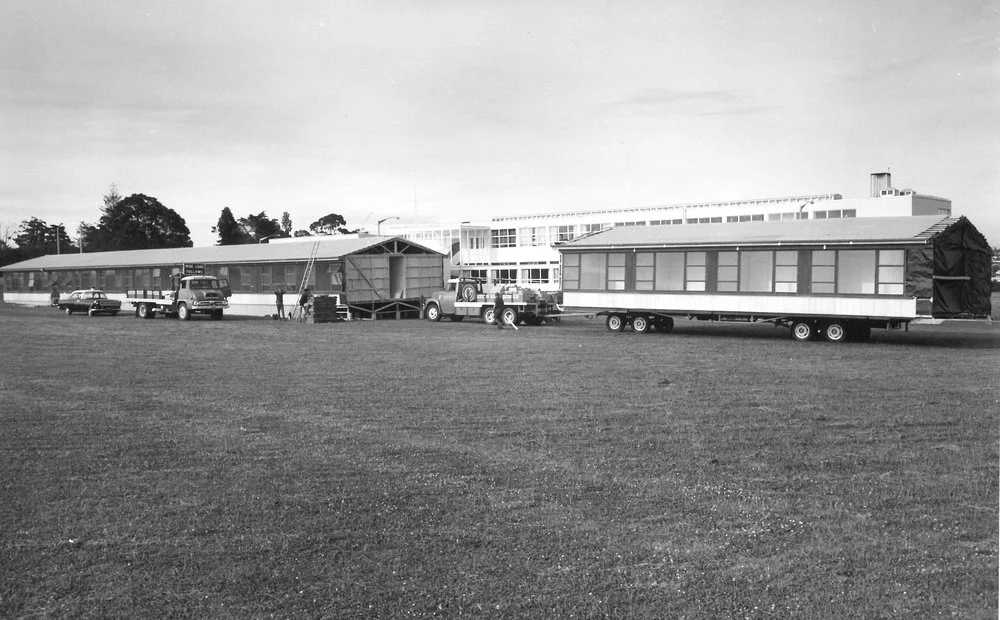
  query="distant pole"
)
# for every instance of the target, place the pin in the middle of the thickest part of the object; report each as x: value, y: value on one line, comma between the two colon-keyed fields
x: 58, y: 251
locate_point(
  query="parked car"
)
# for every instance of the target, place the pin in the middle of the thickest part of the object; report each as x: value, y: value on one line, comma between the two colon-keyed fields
x: 92, y: 301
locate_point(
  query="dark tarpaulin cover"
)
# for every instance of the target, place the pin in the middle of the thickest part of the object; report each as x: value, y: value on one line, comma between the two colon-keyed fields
x: 920, y: 277
x: 961, y: 272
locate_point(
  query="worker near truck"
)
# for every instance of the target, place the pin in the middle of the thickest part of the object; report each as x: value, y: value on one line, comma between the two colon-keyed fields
x: 498, y: 308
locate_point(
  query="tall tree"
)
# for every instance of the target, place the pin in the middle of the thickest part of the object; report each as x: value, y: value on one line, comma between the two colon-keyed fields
x: 259, y: 226
x: 229, y: 230
x: 330, y: 224
x: 140, y: 222
x: 286, y: 224
x: 38, y: 238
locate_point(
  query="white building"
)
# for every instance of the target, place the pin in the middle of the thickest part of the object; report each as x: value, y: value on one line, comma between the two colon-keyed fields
x: 518, y: 249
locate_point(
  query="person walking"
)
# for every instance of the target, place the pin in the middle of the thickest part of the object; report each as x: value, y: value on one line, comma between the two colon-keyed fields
x: 54, y: 296
x: 498, y: 308
x: 279, y: 302
x: 304, y: 304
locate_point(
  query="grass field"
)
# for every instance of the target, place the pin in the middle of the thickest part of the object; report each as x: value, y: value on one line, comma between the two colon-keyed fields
x: 251, y: 468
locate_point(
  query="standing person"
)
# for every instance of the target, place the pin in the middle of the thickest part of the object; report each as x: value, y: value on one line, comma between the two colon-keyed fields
x: 279, y: 302
x: 304, y: 304
x: 54, y: 296
x: 498, y: 308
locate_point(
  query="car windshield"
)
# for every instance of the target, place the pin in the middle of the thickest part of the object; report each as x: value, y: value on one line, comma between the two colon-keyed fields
x: 203, y: 283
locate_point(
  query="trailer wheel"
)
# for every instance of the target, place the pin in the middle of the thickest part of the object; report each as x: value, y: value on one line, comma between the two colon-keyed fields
x: 835, y: 332
x: 640, y: 324
x: 510, y: 316
x: 433, y: 313
x: 802, y: 331
x: 183, y: 313
x: 144, y: 311
x: 615, y: 322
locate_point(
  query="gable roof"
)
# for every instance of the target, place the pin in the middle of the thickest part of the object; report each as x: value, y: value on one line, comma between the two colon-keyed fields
x: 862, y: 230
x: 331, y: 247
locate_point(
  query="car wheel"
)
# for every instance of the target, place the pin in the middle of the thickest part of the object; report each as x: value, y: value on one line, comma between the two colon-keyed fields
x: 68, y: 312
x: 90, y: 312
x: 183, y: 313
x: 114, y: 313
x: 433, y: 313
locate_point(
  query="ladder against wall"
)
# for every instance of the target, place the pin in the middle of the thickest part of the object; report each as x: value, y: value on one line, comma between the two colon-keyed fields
x: 298, y: 311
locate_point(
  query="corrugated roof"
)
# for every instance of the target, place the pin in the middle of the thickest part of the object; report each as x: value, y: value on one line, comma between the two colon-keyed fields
x: 784, y: 232
x: 330, y: 248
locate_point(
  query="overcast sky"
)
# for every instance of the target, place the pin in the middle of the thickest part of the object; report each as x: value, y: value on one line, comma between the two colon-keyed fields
x: 458, y: 110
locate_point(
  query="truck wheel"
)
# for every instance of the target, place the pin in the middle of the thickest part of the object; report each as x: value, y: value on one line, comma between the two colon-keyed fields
x: 640, y: 324
x: 469, y: 292
x: 456, y: 318
x: 615, y: 322
x: 488, y: 317
x: 835, y: 332
x: 143, y: 311
x: 433, y: 313
x: 183, y: 313
x: 510, y: 316
x: 802, y: 331
x: 68, y: 311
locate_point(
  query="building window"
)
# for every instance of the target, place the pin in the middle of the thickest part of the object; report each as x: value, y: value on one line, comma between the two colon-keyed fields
x: 529, y: 237
x: 616, y: 271
x: 731, y: 219
x: 786, y: 272
x: 571, y: 271
x: 850, y: 212
x: 593, y: 271
x: 757, y: 218
x: 856, y: 272
x: 819, y: 215
x: 593, y: 228
x: 505, y: 276
x: 503, y: 238
x: 891, y: 271
x: 756, y: 271
x: 669, y: 271
x: 645, y: 269
x: 729, y: 272
x: 535, y: 276
x: 824, y: 271
x: 563, y: 233
x: 694, y: 271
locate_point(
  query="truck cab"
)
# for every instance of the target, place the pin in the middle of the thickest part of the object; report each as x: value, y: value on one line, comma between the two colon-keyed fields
x: 200, y: 294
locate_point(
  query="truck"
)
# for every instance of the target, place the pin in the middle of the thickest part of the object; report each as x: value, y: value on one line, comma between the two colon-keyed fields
x: 465, y: 296
x: 192, y: 292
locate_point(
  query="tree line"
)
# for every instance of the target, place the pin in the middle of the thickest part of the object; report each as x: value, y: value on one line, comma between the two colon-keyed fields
x: 140, y: 222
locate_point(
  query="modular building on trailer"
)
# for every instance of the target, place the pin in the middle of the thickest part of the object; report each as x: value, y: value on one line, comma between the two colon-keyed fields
x: 383, y: 277
x: 832, y: 278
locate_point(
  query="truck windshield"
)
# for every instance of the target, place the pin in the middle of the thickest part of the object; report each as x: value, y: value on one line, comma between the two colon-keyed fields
x: 202, y: 284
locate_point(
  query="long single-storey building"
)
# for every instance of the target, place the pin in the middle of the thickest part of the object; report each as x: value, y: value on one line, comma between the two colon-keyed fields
x: 375, y: 276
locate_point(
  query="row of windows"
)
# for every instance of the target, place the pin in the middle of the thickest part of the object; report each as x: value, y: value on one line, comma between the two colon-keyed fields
x: 549, y: 235
x: 861, y: 272
x: 245, y: 279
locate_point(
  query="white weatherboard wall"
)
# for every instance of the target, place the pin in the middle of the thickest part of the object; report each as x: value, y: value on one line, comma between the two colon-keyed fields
x: 893, y: 307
